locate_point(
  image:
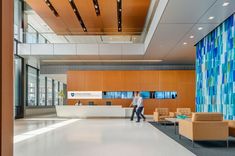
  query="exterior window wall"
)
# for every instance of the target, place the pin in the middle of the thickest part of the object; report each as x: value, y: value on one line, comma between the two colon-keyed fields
x: 42, y: 91
x: 49, y: 92
x: 32, y: 83
x: 56, y: 93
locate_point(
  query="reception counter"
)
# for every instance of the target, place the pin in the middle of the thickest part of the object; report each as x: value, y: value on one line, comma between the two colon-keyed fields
x: 93, y: 111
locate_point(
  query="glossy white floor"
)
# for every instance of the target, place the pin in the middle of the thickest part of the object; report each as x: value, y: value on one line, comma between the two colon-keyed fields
x: 97, y: 137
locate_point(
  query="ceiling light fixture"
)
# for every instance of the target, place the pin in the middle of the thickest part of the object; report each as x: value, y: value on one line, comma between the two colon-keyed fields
x: 191, y: 37
x: 97, y: 8
x: 211, y: 17
x: 200, y: 28
x: 225, y: 4
x: 51, y: 7
x: 185, y: 43
x: 119, y: 15
x: 78, y: 15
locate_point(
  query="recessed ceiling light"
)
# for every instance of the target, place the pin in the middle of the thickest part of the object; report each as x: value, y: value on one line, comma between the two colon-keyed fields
x: 191, y: 36
x: 211, y: 17
x: 200, y: 28
x: 225, y: 4
x: 185, y: 43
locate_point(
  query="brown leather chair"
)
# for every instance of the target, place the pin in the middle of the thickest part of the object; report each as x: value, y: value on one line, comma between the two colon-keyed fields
x: 204, y: 127
x: 160, y: 114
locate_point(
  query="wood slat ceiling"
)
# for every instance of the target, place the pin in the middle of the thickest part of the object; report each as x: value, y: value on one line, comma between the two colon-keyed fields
x: 134, y: 13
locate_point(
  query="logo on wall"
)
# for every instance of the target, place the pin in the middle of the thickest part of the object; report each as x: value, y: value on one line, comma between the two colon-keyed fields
x: 84, y: 94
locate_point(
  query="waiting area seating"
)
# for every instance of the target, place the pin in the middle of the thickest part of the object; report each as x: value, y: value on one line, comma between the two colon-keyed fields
x: 205, y: 127
x: 161, y: 113
x: 231, y: 127
x: 184, y: 111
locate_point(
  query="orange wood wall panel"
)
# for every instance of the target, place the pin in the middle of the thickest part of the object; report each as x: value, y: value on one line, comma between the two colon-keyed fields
x: 112, y: 81
x: 131, y: 80
x: 6, y: 77
x: 93, y: 80
x: 149, y: 80
x: 181, y: 81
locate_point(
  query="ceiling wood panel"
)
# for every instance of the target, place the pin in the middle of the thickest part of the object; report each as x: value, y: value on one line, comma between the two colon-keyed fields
x: 134, y: 13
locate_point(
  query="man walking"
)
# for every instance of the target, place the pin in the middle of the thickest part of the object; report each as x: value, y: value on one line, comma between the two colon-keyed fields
x: 134, y: 105
x: 139, y: 108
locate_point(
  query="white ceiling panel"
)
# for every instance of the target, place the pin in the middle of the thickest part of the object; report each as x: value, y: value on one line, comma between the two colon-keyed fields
x: 53, y: 38
x: 199, y: 34
x: 65, y: 49
x: 87, y: 49
x: 185, y: 11
x: 116, y: 39
x: 83, y: 39
x: 41, y: 49
x: 218, y: 12
x: 166, y: 37
x: 132, y: 49
x: 110, y: 49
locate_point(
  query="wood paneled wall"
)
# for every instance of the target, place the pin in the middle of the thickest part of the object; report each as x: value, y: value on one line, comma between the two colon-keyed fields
x: 6, y: 77
x: 182, y: 81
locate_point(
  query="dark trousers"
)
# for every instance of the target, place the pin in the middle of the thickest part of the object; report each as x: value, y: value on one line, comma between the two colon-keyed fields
x: 139, y: 113
x: 133, y: 112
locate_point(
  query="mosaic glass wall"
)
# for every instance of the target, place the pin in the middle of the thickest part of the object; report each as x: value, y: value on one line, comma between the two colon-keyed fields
x: 215, y: 68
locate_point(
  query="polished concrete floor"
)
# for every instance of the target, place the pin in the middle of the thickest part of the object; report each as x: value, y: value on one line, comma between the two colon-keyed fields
x: 93, y: 137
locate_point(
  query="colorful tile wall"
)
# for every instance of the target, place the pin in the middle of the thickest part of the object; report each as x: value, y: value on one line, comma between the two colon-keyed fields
x: 215, y: 68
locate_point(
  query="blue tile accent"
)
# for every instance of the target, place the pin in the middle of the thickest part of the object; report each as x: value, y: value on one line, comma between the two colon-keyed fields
x: 215, y: 68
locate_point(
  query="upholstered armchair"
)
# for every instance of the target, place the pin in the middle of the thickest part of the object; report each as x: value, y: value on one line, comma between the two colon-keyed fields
x: 184, y: 111
x: 231, y: 125
x: 161, y: 113
x: 204, y: 127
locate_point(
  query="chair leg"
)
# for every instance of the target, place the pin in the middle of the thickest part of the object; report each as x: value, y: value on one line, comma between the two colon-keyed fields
x: 179, y: 136
x: 192, y: 143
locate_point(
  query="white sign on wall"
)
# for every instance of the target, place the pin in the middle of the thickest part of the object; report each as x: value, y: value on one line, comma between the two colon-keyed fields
x: 84, y: 94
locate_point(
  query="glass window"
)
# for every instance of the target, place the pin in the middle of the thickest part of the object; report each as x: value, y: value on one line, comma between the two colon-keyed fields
x: 49, y: 92
x: 31, y: 35
x: 18, y: 87
x: 32, y: 86
x: 42, y: 91
x: 41, y: 39
x: 61, y: 93
x: 56, y: 92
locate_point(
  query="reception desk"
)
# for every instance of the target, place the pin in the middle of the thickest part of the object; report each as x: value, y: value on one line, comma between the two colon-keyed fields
x: 92, y: 111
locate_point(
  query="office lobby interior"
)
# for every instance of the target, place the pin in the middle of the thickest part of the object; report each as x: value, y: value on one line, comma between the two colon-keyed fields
x: 117, y: 78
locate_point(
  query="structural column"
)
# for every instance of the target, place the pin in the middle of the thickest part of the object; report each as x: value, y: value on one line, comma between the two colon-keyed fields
x: 6, y: 77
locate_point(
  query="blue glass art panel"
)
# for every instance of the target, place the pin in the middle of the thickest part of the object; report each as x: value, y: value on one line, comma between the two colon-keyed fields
x: 145, y: 95
x: 215, y: 70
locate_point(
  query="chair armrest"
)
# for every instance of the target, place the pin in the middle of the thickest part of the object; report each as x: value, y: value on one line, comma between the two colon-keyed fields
x: 186, y: 128
x: 156, y: 116
x: 172, y: 114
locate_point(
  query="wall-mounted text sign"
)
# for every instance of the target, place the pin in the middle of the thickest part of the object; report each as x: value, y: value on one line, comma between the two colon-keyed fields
x: 84, y: 94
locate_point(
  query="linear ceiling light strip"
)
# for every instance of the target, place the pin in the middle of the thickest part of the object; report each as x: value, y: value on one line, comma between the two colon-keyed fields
x: 52, y: 8
x: 75, y: 10
x: 97, y: 8
x: 119, y: 15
